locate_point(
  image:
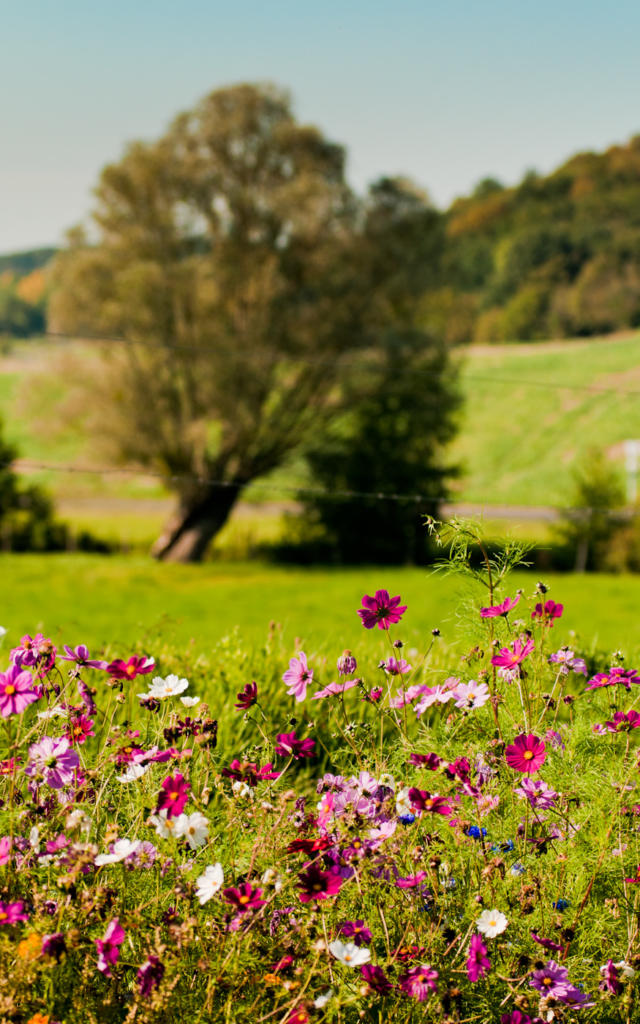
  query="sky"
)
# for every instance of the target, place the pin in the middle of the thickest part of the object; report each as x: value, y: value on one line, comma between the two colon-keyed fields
x: 446, y: 92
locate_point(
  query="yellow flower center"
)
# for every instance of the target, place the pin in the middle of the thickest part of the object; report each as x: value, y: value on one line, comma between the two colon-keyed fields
x: 528, y: 754
x: 9, y: 690
x: 243, y: 899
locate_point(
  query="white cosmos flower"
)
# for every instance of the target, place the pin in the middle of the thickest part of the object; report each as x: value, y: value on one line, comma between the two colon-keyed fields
x: 323, y: 999
x: 209, y: 883
x: 491, y: 923
x: 626, y: 970
x: 169, y: 687
x: 133, y: 772
x: 164, y: 826
x: 3, y: 632
x: 349, y: 954
x: 121, y: 849
x: 192, y: 827
x: 55, y: 712
x: 471, y: 695
x: 34, y: 839
x: 189, y: 702
x: 403, y: 803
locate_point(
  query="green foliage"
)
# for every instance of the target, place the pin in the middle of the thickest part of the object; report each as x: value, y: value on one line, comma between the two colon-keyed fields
x: 392, y: 443
x: 19, y: 318
x: 591, y: 522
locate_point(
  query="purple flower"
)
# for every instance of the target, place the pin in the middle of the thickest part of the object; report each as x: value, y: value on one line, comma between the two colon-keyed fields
x: 396, y: 666
x: 247, y: 696
x: 610, y: 978
x: 568, y: 663
x: 109, y: 947
x: 16, y: 691
x: 347, y: 664
x: 537, y: 793
x: 53, y: 761
x: 553, y: 980
x: 80, y: 655
x: 298, y: 676
x: 149, y: 975
x: 616, y: 675
x: 357, y: 931
x: 315, y: 884
x: 53, y: 945
x: 381, y: 610
x: 478, y: 963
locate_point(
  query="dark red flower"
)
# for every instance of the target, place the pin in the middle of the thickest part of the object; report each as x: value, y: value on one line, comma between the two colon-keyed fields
x: 356, y: 930
x: 546, y: 943
x: 315, y: 884
x: 422, y: 800
x: 376, y: 979
x: 247, y: 697
x: 430, y: 761
x: 150, y: 975
x: 244, y: 897
x: 309, y: 846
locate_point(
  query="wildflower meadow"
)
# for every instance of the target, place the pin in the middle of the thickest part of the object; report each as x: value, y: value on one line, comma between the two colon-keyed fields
x: 401, y: 834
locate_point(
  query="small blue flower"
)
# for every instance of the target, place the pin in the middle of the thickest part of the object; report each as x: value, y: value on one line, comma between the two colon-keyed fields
x: 517, y: 869
x: 561, y: 905
x: 475, y: 832
x: 407, y: 819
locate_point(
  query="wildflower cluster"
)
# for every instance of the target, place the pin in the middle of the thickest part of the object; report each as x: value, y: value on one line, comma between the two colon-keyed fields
x: 465, y: 846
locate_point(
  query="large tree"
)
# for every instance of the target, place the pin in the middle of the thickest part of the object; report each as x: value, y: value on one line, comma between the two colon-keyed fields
x: 246, y: 280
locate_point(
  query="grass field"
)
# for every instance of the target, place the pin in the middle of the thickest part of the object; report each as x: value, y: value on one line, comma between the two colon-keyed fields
x: 529, y: 410
x: 129, y: 602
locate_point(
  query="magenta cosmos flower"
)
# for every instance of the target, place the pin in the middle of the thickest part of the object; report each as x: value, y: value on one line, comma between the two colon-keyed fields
x: 507, y: 658
x: 547, y: 612
x: 298, y: 676
x: 494, y: 610
x: 419, y: 982
x: 247, y: 696
x: 478, y: 963
x: 135, y: 666
x: 315, y: 884
x: 109, y: 947
x: 12, y: 913
x: 53, y: 762
x: 173, y: 795
x: 288, y: 745
x: 616, y: 675
x: 376, y: 979
x: 16, y: 691
x: 381, y: 610
x: 526, y: 754
x: 150, y: 975
x: 423, y: 800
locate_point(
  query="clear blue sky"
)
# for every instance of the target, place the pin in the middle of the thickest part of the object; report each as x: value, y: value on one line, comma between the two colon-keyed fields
x: 447, y: 92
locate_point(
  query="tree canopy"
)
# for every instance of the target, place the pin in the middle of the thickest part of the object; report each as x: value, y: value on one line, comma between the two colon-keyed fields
x: 243, y: 278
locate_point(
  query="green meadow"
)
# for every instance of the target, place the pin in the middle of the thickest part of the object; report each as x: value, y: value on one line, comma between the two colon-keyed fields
x: 131, y: 603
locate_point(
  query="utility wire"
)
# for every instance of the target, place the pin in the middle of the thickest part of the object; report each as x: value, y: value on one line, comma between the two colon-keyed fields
x: 302, y: 490
x: 320, y: 361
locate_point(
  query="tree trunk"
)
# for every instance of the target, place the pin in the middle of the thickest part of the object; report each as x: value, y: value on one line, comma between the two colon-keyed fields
x: 189, y: 533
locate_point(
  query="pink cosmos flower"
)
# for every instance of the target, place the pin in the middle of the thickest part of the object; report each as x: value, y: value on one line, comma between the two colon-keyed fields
x: 537, y: 793
x: 244, y: 898
x: 494, y: 610
x: 478, y: 963
x: 5, y: 849
x: 381, y: 610
x: 12, y: 913
x: 109, y: 947
x: 508, y: 659
x: 411, y: 881
x: 616, y: 675
x: 419, y: 982
x: 80, y: 655
x: 16, y: 691
x: 547, y: 612
x: 298, y: 676
x: 35, y: 650
x: 526, y: 754
x: 334, y: 688
x: 52, y: 761
x: 136, y: 666
x: 396, y: 666
x: 288, y: 745
x: 79, y: 729
x: 173, y: 795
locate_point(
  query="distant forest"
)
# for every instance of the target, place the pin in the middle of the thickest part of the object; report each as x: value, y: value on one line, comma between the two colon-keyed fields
x: 555, y: 256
